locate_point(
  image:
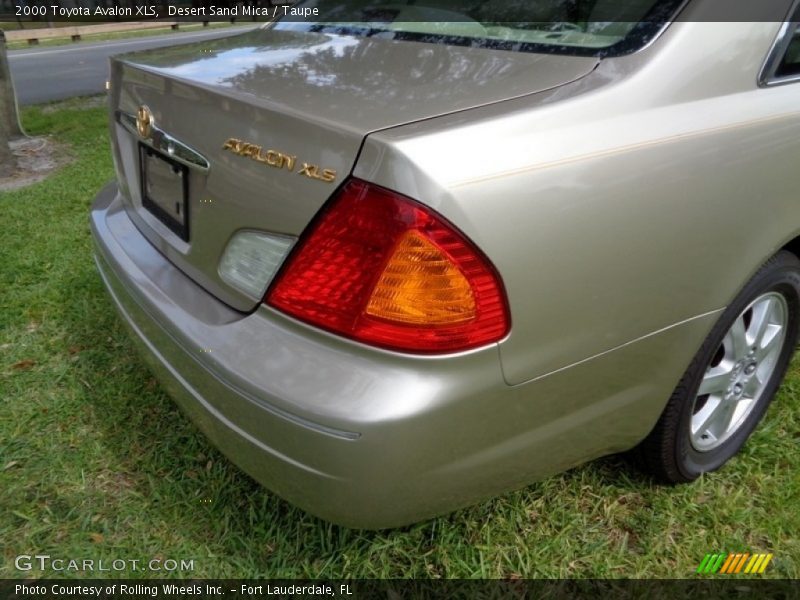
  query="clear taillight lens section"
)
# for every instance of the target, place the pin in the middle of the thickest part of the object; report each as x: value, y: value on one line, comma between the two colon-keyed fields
x: 382, y: 269
x: 251, y: 260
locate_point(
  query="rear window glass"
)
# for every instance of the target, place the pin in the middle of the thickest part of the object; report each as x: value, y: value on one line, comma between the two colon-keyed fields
x: 581, y: 27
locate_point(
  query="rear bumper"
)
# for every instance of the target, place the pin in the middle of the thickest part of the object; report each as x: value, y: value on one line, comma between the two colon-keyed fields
x: 363, y: 437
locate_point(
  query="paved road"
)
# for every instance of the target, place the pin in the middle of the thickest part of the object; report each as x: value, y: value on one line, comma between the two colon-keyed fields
x: 46, y: 74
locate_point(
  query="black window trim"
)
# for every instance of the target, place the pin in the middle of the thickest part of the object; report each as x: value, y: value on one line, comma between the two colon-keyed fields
x: 768, y: 77
x: 660, y: 16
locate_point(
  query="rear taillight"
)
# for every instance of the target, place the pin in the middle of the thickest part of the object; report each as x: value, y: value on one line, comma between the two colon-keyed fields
x: 382, y: 269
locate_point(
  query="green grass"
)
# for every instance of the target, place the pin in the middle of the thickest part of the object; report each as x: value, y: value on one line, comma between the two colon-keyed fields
x: 117, y: 35
x: 96, y: 461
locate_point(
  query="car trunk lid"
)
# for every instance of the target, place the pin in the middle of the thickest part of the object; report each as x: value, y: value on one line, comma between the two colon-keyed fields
x: 279, y: 117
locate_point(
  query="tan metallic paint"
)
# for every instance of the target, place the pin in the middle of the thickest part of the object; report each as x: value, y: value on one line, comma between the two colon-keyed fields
x: 624, y: 206
x: 608, y: 229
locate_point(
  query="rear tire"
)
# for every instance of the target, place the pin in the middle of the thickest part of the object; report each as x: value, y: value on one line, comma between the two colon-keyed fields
x: 740, y: 367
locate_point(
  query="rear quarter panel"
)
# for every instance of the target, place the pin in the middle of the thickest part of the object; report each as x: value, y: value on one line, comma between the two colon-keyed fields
x: 639, y: 198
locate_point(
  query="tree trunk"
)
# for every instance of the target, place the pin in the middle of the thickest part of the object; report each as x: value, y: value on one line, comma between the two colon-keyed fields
x: 9, y: 120
x: 8, y: 97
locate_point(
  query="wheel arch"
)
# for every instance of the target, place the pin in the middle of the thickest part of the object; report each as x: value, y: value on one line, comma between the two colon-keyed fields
x: 792, y: 246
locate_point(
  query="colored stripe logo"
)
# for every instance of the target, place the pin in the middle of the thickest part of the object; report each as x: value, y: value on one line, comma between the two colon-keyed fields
x: 734, y: 563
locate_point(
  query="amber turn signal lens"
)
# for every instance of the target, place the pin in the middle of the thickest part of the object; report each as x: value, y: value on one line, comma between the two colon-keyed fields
x: 421, y: 285
x: 383, y: 269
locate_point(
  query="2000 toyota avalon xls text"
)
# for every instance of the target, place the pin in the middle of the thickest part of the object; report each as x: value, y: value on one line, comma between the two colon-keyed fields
x: 408, y: 257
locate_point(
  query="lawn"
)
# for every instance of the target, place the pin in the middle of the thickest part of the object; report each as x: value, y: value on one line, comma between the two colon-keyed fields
x: 103, y: 37
x: 97, y: 462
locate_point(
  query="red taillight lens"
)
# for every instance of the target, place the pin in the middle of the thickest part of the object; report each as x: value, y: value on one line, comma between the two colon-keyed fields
x: 380, y: 268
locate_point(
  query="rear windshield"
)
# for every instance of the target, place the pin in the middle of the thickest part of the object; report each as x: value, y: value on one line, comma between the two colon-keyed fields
x: 579, y: 27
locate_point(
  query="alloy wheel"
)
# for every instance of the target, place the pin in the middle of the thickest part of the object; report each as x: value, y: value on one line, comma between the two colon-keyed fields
x: 739, y: 371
